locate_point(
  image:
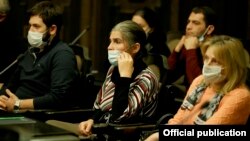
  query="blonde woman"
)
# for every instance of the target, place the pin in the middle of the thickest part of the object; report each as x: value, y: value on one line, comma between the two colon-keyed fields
x: 219, y: 96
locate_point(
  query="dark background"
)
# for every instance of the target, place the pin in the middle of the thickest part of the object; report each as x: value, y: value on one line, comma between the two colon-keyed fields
x: 102, y: 15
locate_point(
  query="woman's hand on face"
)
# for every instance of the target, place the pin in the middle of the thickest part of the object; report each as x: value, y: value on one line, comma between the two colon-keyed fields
x: 85, y: 127
x: 125, y: 65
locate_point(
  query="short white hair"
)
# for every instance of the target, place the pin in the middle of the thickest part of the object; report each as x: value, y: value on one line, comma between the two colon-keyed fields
x: 4, y: 6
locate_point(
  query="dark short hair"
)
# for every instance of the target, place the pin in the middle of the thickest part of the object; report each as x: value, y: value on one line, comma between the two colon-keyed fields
x: 50, y: 13
x: 149, y: 15
x: 210, y: 16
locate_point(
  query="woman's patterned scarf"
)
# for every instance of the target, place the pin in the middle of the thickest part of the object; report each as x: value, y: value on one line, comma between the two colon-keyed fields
x: 208, y: 109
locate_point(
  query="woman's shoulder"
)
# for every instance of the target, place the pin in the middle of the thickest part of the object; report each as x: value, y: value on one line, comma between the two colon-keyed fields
x: 241, y: 92
x: 198, y: 79
x: 155, y: 70
x: 239, y: 97
x: 150, y: 72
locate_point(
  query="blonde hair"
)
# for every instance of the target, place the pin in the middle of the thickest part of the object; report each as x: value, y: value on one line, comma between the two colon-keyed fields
x: 230, y: 52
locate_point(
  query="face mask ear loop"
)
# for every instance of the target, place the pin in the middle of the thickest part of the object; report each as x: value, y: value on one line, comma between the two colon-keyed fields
x: 202, y: 37
x: 33, y: 51
x: 34, y: 55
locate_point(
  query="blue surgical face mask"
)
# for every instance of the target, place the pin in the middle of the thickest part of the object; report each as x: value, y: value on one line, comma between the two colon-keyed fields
x: 212, y: 74
x: 112, y: 56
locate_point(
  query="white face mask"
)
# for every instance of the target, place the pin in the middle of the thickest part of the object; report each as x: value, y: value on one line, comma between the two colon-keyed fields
x: 112, y: 56
x: 35, y: 39
x: 212, y: 73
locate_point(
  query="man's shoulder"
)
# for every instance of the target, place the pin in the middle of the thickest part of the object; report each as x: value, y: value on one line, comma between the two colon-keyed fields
x: 62, y: 46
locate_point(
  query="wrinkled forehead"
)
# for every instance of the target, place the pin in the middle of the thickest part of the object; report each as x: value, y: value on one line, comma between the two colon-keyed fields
x: 116, y: 34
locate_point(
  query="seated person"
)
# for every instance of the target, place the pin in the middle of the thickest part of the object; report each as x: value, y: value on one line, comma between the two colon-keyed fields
x: 186, y: 58
x: 219, y: 96
x: 156, y: 38
x: 129, y: 92
x: 47, y: 72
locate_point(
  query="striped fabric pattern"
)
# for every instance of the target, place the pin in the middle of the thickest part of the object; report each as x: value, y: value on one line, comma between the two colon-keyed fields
x: 142, y: 95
